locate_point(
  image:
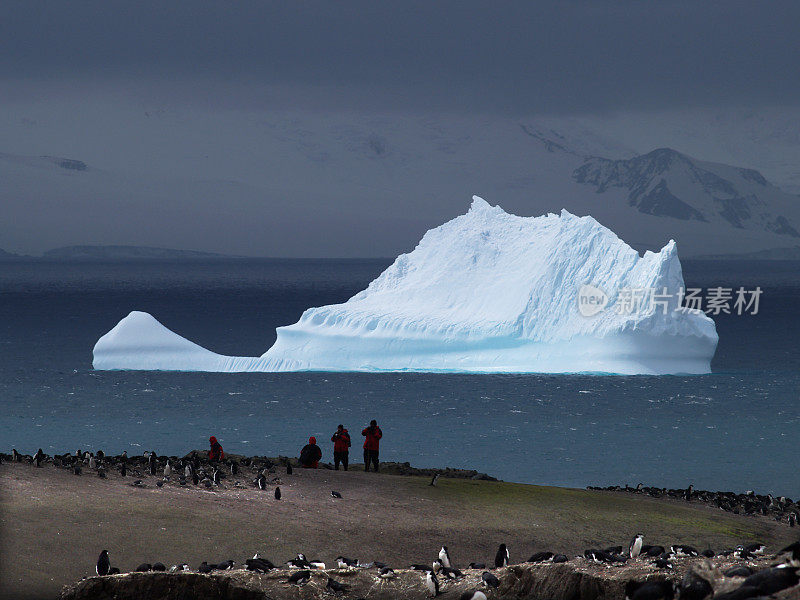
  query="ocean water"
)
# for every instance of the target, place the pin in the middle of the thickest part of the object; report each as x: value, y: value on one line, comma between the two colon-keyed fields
x: 737, y: 428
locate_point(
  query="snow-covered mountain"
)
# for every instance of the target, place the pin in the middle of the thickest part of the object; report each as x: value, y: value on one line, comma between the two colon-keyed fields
x: 293, y: 183
x: 666, y: 183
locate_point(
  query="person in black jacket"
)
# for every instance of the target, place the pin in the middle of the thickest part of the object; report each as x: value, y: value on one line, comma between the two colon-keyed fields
x: 310, y: 454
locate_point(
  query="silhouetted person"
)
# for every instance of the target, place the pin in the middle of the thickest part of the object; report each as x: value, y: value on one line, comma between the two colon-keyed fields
x: 341, y: 447
x: 373, y: 435
x: 310, y: 454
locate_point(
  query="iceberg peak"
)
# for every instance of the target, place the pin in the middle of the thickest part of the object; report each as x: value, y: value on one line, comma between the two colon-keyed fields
x: 487, y: 291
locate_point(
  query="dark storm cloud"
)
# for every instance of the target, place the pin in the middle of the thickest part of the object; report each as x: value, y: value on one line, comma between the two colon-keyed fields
x: 514, y: 56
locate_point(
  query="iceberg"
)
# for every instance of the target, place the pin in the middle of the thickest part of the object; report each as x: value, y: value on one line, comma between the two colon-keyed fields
x: 487, y: 292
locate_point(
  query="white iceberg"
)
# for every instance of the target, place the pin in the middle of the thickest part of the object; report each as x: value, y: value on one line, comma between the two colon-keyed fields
x: 487, y: 292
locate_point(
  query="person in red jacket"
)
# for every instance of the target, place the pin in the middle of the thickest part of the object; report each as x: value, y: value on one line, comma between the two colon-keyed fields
x: 373, y: 434
x: 216, y: 452
x: 341, y: 447
x: 310, y: 454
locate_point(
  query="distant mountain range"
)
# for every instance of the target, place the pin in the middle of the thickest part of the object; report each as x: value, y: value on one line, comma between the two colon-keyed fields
x: 113, y: 253
x: 339, y: 185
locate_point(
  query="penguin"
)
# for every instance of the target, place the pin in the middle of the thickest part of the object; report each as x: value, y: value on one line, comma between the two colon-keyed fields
x: 345, y: 563
x: 225, y: 565
x: 204, y: 567
x: 335, y: 586
x: 560, y: 558
x: 437, y: 565
x: 300, y: 578
x: 77, y: 469
x: 144, y: 568
x: 288, y: 468
x: 450, y: 573
x: 435, y: 480
x: 792, y: 519
x: 113, y: 571
x: 92, y: 462
x: 167, y: 470
x: 635, y: 547
x: 151, y: 462
x: 791, y: 554
x: 663, y: 563
x: 160, y: 483
x: 740, y: 571
x: 541, y: 557
x: 489, y: 580
x: 444, y: 556
x: 187, y: 471
x: 101, y: 473
x: 159, y: 567
x: 432, y: 583
x: 474, y: 565
x: 234, y: 468
x: 386, y: 573
x: 195, y: 478
x: 649, y: 590
x: 123, y: 470
x: 418, y: 567
x: 124, y: 455
x: 277, y: 493
x: 103, y: 563
x: 771, y: 581
x: 317, y: 564
x: 473, y: 595
x: 261, y: 482
x: 215, y: 476
x: 335, y: 494
x: 15, y: 456
x: 708, y: 553
x: 502, y: 557
x: 755, y: 548
x: 38, y: 458
x: 681, y: 550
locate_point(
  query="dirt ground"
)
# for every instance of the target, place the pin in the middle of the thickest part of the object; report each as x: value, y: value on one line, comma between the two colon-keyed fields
x: 54, y: 524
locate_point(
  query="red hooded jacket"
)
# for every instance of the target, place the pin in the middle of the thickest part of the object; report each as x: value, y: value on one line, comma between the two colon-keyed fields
x: 341, y: 441
x: 373, y: 436
x: 216, y: 452
x: 310, y: 454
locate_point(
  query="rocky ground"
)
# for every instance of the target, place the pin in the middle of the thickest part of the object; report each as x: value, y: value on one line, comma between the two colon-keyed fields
x: 54, y: 524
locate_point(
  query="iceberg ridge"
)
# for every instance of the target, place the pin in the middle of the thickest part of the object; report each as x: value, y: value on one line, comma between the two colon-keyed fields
x: 485, y: 292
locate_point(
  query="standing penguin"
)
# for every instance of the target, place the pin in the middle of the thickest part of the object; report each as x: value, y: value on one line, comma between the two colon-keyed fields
x: 103, y: 564
x: 635, y: 547
x: 432, y: 583
x: 288, y: 468
x: 277, y: 493
x: 444, y: 556
x: 92, y: 462
x: 167, y: 470
x: 262, y: 481
x: 502, y: 557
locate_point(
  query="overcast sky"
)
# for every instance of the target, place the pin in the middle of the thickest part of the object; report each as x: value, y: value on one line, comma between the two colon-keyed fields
x: 505, y: 56
x: 88, y: 80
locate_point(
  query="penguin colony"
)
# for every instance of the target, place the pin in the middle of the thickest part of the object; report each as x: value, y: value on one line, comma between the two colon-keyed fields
x: 781, y: 508
x: 740, y: 582
x: 702, y: 582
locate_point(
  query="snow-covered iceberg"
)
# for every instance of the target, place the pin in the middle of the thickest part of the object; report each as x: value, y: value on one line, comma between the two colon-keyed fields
x: 485, y: 292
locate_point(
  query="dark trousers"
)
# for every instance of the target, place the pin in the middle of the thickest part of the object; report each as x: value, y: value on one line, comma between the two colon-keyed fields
x: 340, y: 457
x: 370, y: 456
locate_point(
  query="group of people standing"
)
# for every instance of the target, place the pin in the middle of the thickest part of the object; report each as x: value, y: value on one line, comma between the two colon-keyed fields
x: 311, y: 454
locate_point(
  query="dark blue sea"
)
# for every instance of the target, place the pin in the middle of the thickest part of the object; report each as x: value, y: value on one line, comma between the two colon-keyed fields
x: 738, y: 428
